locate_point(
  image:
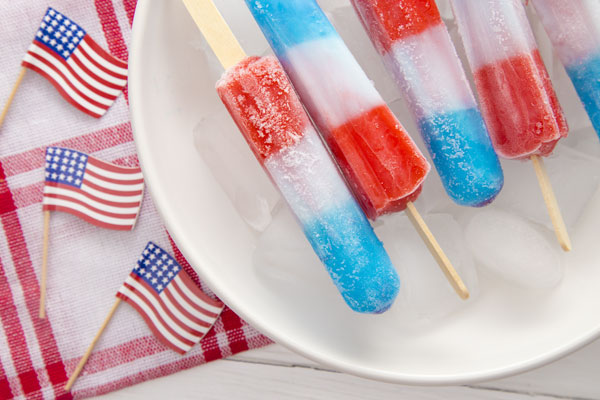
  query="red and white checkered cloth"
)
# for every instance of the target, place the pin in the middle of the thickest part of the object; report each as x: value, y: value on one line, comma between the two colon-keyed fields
x: 37, y: 356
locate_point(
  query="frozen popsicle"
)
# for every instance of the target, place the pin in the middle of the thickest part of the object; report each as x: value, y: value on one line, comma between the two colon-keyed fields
x: 379, y: 160
x: 574, y: 29
x: 518, y: 102
x: 416, y: 48
x: 268, y: 112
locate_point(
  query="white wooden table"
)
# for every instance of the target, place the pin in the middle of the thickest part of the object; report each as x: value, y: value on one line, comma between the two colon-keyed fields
x: 274, y: 372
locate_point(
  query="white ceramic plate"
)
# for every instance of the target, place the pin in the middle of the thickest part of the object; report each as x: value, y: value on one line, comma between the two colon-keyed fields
x: 505, y: 331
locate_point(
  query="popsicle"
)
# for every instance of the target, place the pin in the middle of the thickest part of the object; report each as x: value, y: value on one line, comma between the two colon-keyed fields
x: 379, y: 160
x: 574, y: 29
x: 268, y: 113
x: 518, y: 102
x: 416, y: 48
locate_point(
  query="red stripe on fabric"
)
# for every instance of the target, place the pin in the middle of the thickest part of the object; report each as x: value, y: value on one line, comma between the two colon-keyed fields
x: 88, y: 55
x: 112, y: 167
x: 111, y: 191
x: 235, y: 336
x: 89, y: 207
x: 150, y: 325
x: 178, y: 289
x: 15, y: 337
x: 98, y: 199
x: 191, y: 285
x: 77, y: 60
x: 104, y: 54
x: 87, y: 218
x: 87, y: 143
x: 112, y: 33
x: 112, y: 180
x: 168, y: 293
x: 64, y: 94
x: 70, y: 83
x: 5, y: 390
x: 28, y: 281
x: 123, y: 353
x: 79, y: 78
x: 130, y: 9
x: 166, y: 310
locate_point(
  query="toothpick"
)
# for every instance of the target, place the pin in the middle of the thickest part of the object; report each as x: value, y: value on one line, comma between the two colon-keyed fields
x: 553, y: 210
x: 12, y: 95
x: 437, y: 252
x: 44, y: 265
x: 89, y: 350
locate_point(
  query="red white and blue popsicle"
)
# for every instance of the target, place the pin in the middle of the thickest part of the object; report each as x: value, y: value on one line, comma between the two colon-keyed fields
x: 574, y: 29
x: 416, y: 48
x: 269, y: 114
x: 520, y: 108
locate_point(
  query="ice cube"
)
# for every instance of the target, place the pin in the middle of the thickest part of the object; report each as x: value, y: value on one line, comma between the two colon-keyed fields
x: 574, y: 177
x: 235, y: 168
x: 425, y: 294
x: 512, y: 248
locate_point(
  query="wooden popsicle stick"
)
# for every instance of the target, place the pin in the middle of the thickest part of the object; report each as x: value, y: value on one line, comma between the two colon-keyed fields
x: 89, y: 350
x: 44, y: 265
x: 216, y: 31
x: 437, y: 252
x: 553, y: 210
x: 12, y: 95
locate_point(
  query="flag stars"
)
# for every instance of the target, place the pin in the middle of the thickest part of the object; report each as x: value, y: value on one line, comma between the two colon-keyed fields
x: 170, y: 274
x: 62, y: 28
x: 154, y: 281
x: 165, y: 280
x: 63, y: 168
x: 47, y: 18
x: 78, y: 173
x: 53, y: 42
x: 54, y: 176
x: 65, y: 54
x: 51, y: 12
x: 59, y: 17
x: 80, y: 34
x: 159, y: 287
x: 81, y: 165
x: 72, y: 162
x: 148, y: 275
x: 54, y: 22
x: 54, y: 166
x: 152, y: 256
x: 159, y: 273
x: 147, y: 262
x: 146, y: 252
x: 39, y: 34
x: 67, y: 22
x: 154, y: 268
x: 78, y: 181
x: 69, y: 179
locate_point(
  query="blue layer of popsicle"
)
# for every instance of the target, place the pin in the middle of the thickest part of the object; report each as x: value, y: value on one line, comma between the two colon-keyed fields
x: 585, y: 76
x: 362, y: 271
x: 287, y: 23
x: 464, y: 156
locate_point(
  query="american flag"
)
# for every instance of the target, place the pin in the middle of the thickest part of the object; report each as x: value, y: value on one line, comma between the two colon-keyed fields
x: 104, y: 194
x: 175, y: 309
x: 85, y: 74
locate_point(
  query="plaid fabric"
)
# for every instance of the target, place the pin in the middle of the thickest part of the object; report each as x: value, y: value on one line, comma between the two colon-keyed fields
x: 36, y: 356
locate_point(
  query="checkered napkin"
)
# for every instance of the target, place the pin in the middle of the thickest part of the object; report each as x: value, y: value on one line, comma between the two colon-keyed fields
x: 87, y: 265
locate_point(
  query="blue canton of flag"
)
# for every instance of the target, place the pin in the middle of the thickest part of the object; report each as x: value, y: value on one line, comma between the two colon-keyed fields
x: 65, y: 166
x: 156, y: 267
x: 59, y: 33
